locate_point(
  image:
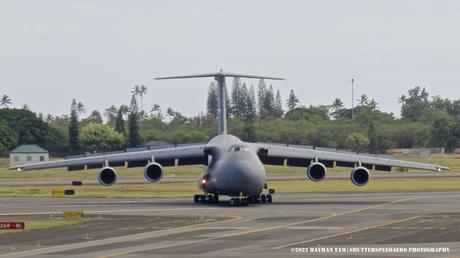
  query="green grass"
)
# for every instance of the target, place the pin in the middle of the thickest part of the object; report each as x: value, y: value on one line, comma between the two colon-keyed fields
x: 45, y: 224
x: 375, y: 185
x: 450, y: 160
x: 298, y: 186
x: 115, y: 191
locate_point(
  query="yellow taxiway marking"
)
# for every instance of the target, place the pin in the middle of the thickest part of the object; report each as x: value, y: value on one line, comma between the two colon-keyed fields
x: 345, y: 233
x: 333, y: 215
x: 46, y: 249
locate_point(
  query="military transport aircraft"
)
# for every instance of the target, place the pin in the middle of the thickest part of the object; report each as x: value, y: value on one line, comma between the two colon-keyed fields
x: 232, y: 167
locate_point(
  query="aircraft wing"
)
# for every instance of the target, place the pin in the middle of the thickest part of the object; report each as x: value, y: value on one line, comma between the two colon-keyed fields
x: 302, y: 157
x: 186, y: 155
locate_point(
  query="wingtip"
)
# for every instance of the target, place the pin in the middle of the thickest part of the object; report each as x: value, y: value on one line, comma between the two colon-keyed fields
x: 18, y: 168
x: 441, y: 168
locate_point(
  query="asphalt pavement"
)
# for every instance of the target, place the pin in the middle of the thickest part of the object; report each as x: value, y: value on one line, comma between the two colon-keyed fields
x: 425, y: 224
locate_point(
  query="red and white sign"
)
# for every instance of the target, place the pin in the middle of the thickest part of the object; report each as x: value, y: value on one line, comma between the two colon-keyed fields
x: 12, y: 225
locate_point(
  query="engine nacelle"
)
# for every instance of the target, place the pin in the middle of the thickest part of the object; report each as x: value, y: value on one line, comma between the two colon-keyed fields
x: 153, y: 172
x: 316, y: 171
x: 360, y: 176
x: 107, y: 176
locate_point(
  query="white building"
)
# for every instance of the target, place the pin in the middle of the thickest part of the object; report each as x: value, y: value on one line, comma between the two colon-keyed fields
x: 28, y: 153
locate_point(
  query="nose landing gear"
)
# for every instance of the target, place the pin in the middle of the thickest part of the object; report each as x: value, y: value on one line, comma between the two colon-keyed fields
x: 239, y: 202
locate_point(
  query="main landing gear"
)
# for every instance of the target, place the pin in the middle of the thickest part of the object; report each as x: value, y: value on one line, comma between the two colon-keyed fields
x: 243, y: 201
x: 206, y: 198
x: 235, y: 201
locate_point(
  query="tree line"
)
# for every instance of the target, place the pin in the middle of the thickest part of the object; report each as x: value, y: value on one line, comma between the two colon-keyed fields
x: 255, y: 114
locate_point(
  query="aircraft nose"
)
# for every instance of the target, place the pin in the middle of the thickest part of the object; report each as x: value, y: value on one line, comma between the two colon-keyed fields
x: 243, y: 178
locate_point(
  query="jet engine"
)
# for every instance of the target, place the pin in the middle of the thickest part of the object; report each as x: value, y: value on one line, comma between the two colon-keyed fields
x: 153, y: 172
x: 107, y: 176
x: 360, y: 176
x: 316, y: 171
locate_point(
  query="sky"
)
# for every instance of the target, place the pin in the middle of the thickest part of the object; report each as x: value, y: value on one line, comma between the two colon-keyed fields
x: 96, y: 51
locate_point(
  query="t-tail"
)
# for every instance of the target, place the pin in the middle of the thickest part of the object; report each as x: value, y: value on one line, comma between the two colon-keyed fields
x: 220, y: 78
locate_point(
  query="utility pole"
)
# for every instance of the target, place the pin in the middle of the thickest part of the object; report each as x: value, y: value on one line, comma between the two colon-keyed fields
x: 352, y: 99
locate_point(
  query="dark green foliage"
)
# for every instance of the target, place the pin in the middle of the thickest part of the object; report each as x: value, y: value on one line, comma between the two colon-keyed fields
x: 292, y: 101
x: 212, y: 103
x: 120, y: 122
x: 23, y: 126
x: 74, y: 141
x: 8, y: 139
x: 238, y: 103
x: 228, y: 106
x: 442, y: 133
x: 357, y: 142
x: 311, y: 113
x: 415, y: 104
x: 134, y: 137
x: 278, y: 105
x: 100, y: 137
x: 94, y: 118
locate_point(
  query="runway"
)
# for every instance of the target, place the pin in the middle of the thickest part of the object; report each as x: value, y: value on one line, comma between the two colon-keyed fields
x: 293, y: 224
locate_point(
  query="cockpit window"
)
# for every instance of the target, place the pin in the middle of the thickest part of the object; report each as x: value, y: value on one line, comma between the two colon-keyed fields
x: 239, y: 148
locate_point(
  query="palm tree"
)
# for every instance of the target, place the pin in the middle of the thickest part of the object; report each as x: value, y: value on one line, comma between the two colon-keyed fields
x: 337, y: 104
x: 363, y: 100
x: 80, y: 108
x: 111, y: 114
x: 170, y: 112
x: 124, y: 109
x: 402, y: 99
x: 142, y: 91
x: 135, y: 91
x: 5, y: 101
x: 156, y: 111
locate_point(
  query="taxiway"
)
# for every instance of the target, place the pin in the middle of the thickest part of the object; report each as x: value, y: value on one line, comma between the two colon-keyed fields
x: 376, y: 220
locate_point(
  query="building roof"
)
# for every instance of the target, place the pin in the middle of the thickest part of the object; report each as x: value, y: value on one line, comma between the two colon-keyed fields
x: 29, y: 148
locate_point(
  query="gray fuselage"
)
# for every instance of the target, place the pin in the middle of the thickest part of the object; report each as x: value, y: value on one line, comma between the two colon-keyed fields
x: 234, y: 168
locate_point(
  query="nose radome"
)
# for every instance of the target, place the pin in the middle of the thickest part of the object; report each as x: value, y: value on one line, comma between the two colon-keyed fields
x: 242, y: 178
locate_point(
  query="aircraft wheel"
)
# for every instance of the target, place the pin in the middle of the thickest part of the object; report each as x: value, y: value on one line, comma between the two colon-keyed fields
x: 202, y: 198
x: 233, y: 202
x: 244, y: 201
x: 269, y: 198
x: 209, y: 198
x: 196, y: 198
x: 263, y: 198
x: 216, y: 198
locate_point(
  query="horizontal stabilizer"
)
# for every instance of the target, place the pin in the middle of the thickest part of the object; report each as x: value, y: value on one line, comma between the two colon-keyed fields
x: 220, y: 74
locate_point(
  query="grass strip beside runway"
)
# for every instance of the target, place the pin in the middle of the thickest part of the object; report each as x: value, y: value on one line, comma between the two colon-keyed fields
x: 152, y: 190
x: 45, y: 224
